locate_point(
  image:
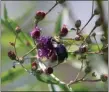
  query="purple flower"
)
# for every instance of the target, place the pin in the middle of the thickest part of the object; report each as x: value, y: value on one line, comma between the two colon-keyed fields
x: 35, y: 33
x: 45, y: 46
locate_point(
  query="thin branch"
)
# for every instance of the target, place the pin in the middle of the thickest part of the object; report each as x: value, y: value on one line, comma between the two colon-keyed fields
x: 89, y: 34
x: 15, y: 46
x: 87, y: 23
x: 29, y: 52
x: 52, y: 8
x: 92, y: 6
x: 72, y: 81
x: 83, y: 80
x: 79, y: 71
x: 97, y: 44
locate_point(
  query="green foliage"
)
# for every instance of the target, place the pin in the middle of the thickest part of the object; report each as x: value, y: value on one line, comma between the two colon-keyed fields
x: 5, y: 13
x: 58, y: 24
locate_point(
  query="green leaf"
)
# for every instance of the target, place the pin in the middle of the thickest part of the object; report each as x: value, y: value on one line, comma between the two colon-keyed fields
x: 5, y: 12
x: 58, y: 24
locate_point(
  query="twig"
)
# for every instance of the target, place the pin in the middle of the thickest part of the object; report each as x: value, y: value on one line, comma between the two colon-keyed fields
x: 79, y: 71
x: 15, y: 46
x: 83, y: 80
x: 87, y: 23
x: 92, y: 6
x: 29, y: 52
x: 52, y: 7
x: 97, y: 44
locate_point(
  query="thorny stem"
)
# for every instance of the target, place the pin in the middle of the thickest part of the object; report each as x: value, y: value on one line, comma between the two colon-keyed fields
x: 97, y: 44
x: 87, y: 23
x: 52, y: 7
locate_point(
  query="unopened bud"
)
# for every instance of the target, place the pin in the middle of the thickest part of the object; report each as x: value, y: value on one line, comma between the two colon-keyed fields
x: 78, y: 23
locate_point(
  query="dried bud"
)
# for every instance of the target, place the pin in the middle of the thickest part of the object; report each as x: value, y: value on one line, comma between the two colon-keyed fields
x: 94, y: 34
x: 98, y: 22
x: 96, y: 11
x: 60, y: 1
x: 18, y: 29
x: 78, y: 23
x: 64, y: 31
x: 49, y: 70
x: 12, y: 55
x: 79, y: 37
x: 12, y: 44
x: 40, y: 15
x: 34, y: 66
x: 104, y: 77
x: 88, y: 69
x: 83, y: 49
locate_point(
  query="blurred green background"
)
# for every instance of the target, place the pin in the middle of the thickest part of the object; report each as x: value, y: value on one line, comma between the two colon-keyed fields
x: 22, y: 13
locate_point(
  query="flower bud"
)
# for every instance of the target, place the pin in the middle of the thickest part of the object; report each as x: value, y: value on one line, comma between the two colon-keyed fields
x: 34, y: 66
x: 98, y: 22
x: 104, y: 77
x: 79, y: 37
x: 35, y: 33
x: 12, y: 44
x: 60, y: 1
x: 40, y: 15
x: 78, y: 23
x: 18, y: 29
x: 83, y: 49
x: 61, y: 53
x: 94, y: 34
x: 11, y: 55
x: 64, y: 31
x: 49, y: 70
x: 88, y: 69
x: 96, y: 11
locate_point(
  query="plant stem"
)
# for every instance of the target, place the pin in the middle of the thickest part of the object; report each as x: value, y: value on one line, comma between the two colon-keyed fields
x: 29, y: 52
x: 15, y: 46
x: 83, y: 80
x: 89, y: 34
x: 79, y: 71
x: 52, y: 7
x: 97, y: 44
x: 87, y: 23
